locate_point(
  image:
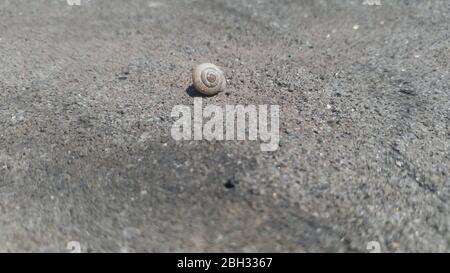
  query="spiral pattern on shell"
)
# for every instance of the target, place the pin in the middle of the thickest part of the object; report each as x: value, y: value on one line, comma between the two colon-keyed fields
x: 208, y: 79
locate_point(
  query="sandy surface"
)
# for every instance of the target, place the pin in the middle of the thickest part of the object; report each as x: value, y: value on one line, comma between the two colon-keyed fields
x: 86, y: 153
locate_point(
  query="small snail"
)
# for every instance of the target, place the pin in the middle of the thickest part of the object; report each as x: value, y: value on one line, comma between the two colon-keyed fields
x: 208, y: 79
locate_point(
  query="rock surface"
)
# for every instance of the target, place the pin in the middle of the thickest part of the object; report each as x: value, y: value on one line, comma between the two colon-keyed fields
x: 85, y: 147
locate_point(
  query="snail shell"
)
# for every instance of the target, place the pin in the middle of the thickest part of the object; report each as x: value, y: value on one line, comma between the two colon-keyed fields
x: 208, y: 79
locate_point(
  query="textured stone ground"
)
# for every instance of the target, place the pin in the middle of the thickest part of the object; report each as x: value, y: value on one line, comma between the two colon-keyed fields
x: 86, y: 154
